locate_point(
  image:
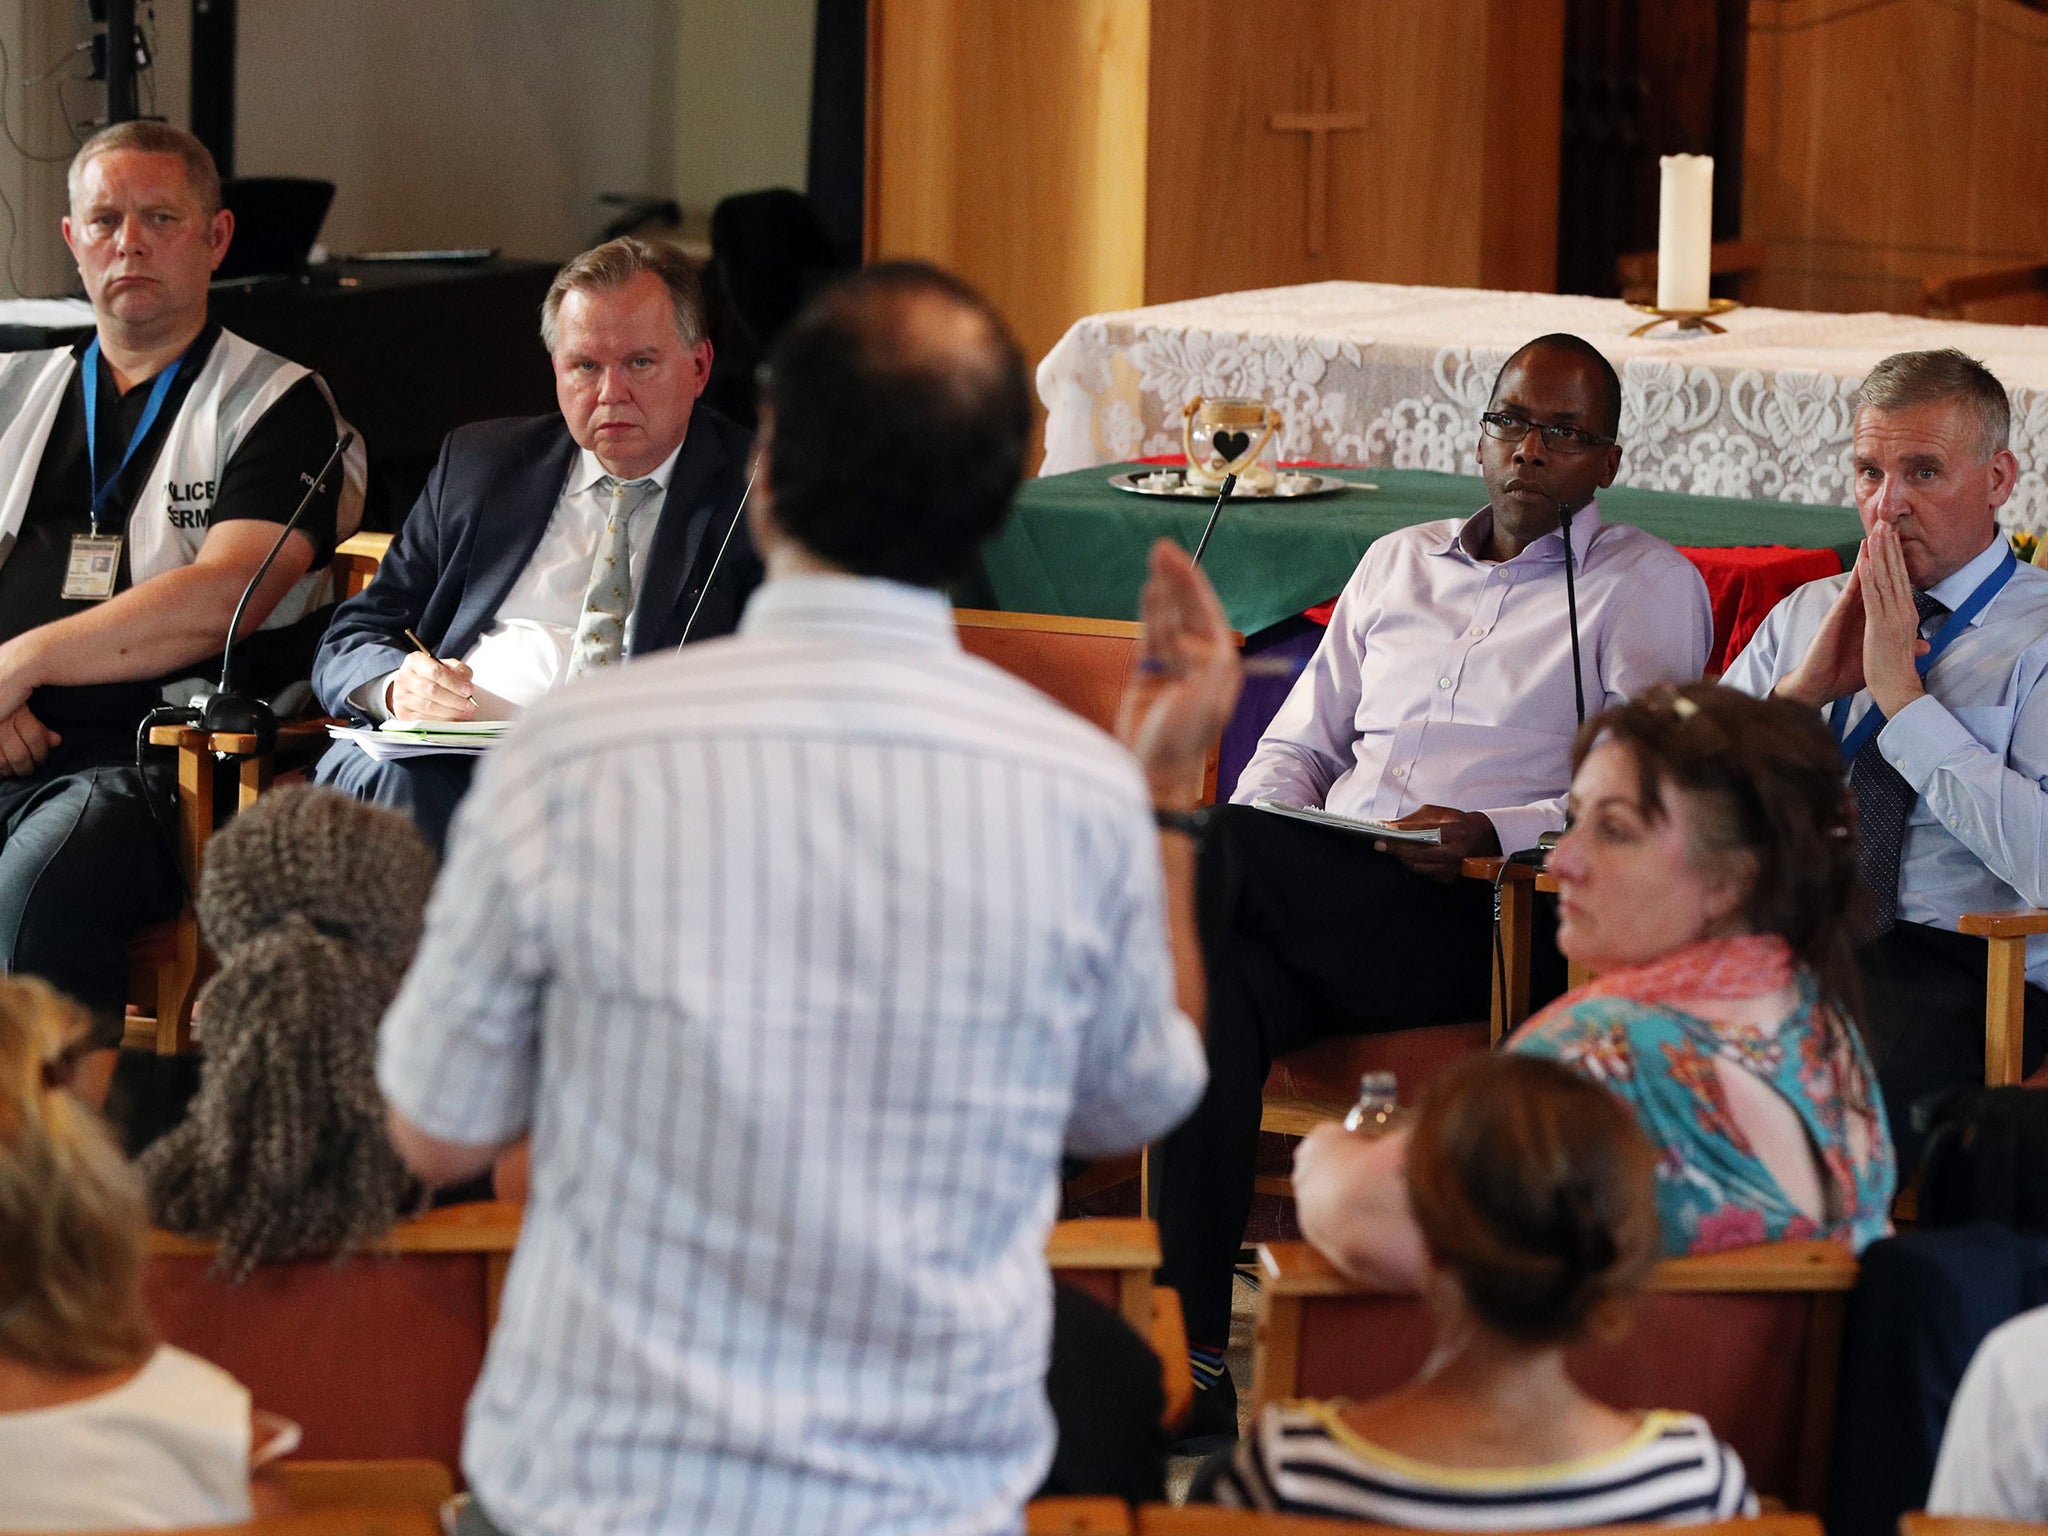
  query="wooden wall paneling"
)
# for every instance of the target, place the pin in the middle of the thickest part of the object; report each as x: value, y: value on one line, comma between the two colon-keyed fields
x: 1891, y: 142
x: 1008, y: 145
x: 1453, y: 181
x: 1644, y: 79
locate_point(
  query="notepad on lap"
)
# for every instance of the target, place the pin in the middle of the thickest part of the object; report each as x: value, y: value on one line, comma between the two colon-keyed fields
x: 1375, y: 829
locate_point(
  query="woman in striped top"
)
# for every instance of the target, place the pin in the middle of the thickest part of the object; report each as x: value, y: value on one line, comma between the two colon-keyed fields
x: 1533, y: 1191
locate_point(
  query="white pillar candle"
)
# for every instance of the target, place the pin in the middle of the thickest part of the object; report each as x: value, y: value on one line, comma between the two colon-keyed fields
x: 1685, y: 231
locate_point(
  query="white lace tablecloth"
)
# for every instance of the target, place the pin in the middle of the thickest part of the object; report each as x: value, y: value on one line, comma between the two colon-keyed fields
x: 1379, y: 374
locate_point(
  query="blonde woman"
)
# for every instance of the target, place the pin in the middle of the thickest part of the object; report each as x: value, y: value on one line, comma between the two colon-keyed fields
x: 101, y: 1427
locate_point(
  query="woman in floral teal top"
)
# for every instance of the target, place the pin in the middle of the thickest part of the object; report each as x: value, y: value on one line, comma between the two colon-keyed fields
x: 1709, y: 884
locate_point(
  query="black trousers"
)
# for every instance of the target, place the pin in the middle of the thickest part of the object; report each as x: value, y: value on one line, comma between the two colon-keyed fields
x: 83, y: 866
x: 1923, y: 1016
x: 1306, y: 933
x: 425, y: 788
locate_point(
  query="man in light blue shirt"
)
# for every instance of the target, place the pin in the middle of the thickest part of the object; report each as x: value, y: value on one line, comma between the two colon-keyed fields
x: 1924, y: 659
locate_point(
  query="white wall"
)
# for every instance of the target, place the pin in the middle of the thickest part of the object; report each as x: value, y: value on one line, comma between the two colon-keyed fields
x: 459, y: 122
x: 450, y: 122
x: 743, y: 104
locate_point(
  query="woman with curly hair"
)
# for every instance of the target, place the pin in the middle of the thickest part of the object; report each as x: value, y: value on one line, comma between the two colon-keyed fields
x: 313, y: 902
x: 1709, y: 883
x: 101, y: 1427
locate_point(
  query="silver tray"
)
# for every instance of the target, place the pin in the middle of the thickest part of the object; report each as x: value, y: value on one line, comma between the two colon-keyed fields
x: 1294, y: 485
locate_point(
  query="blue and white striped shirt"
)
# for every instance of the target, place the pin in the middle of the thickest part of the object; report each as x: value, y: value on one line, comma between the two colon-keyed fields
x: 803, y: 955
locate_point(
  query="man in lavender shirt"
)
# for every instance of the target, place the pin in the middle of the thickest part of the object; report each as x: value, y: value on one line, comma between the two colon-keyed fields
x: 1441, y: 696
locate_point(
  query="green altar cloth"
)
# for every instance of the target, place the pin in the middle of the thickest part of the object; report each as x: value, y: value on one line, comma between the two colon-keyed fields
x: 1075, y: 546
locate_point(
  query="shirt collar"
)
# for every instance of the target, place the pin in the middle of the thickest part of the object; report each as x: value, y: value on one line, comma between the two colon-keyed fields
x: 888, y: 611
x: 1954, y: 590
x: 585, y: 471
x: 1471, y: 535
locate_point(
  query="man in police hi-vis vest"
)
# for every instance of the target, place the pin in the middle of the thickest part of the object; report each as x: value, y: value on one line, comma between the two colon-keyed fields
x: 144, y: 475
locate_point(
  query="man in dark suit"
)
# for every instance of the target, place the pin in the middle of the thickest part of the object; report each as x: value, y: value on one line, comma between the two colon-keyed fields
x: 548, y: 547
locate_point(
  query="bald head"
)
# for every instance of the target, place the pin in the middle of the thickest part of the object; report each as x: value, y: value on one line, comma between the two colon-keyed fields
x: 897, y: 413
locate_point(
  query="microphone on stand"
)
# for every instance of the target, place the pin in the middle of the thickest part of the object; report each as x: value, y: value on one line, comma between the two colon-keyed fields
x: 1229, y: 485
x: 1538, y: 855
x: 739, y: 515
x: 226, y: 710
x: 1571, y: 602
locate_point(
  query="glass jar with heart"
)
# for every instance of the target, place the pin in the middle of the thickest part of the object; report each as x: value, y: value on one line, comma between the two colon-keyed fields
x: 1230, y: 436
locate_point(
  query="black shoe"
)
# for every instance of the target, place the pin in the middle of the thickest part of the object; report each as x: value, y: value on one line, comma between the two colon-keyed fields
x: 1212, y: 1420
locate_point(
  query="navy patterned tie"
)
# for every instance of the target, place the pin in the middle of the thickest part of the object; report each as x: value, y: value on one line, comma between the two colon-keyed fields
x: 1884, y: 800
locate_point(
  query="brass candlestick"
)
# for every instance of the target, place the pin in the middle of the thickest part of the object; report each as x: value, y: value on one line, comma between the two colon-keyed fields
x: 1685, y: 319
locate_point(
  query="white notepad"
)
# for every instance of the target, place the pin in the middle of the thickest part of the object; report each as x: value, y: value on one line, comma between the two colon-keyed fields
x: 1375, y: 829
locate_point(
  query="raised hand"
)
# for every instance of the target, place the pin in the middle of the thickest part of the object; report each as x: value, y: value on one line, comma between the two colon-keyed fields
x: 1891, y: 624
x: 1187, y: 679
x: 1832, y: 667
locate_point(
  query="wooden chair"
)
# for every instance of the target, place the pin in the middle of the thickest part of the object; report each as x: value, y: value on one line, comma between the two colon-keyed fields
x: 167, y: 961
x: 408, y: 1483
x: 1945, y: 298
x: 356, y: 559
x: 1637, y: 270
x: 1077, y: 1517
x: 1320, y: 1082
x: 1919, y: 1523
x: 1113, y: 1258
x: 373, y: 1355
x: 1207, y: 1520
x: 1766, y: 1381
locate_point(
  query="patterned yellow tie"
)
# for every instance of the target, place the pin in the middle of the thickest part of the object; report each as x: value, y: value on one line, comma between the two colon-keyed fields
x: 608, y: 599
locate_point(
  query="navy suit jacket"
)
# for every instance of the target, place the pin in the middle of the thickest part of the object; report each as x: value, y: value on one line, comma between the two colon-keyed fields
x: 479, y: 520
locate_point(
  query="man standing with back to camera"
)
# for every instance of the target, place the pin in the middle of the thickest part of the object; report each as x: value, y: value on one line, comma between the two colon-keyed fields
x: 804, y: 954
x: 144, y: 476
x: 1442, y: 696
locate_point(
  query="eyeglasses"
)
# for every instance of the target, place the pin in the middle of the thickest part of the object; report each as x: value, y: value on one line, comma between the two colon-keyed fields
x: 1510, y: 428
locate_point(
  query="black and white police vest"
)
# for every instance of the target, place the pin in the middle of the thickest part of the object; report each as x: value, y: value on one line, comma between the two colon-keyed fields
x: 239, y: 382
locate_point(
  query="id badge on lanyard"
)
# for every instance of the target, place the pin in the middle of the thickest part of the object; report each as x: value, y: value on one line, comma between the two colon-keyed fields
x: 95, y: 563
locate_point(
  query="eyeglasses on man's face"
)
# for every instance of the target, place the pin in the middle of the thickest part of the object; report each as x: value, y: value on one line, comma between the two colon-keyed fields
x: 1510, y: 428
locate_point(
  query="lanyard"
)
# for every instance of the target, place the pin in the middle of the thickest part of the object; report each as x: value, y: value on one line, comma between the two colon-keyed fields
x: 1873, y: 720
x: 157, y: 391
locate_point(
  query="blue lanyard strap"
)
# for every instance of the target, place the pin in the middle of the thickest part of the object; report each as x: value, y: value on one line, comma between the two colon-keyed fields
x: 1873, y: 719
x: 101, y: 493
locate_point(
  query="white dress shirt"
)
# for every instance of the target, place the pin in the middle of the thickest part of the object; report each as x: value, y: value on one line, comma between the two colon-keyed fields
x: 1974, y: 747
x: 802, y: 954
x: 525, y: 652
x: 1994, y: 1453
x: 1446, y: 679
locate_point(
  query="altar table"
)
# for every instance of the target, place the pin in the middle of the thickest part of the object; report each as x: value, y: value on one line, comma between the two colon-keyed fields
x: 1385, y: 375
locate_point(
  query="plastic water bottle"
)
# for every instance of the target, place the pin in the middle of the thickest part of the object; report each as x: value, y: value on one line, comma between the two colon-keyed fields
x: 1378, y: 1109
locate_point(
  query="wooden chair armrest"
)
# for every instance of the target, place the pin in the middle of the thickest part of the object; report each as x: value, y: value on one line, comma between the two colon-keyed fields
x: 397, y: 1483
x: 1296, y: 1269
x: 485, y: 1226
x: 1104, y: 1242
x: 369, y: 546
x: 2013, y: 923
x: 1919, y: 1523
x: 1070, y: 1516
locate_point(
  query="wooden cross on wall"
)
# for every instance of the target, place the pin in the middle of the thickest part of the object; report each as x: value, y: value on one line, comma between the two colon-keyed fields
x: 1319, y: 122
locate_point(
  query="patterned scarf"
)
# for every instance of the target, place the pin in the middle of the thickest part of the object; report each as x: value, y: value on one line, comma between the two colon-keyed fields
x: 1743, y: 965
